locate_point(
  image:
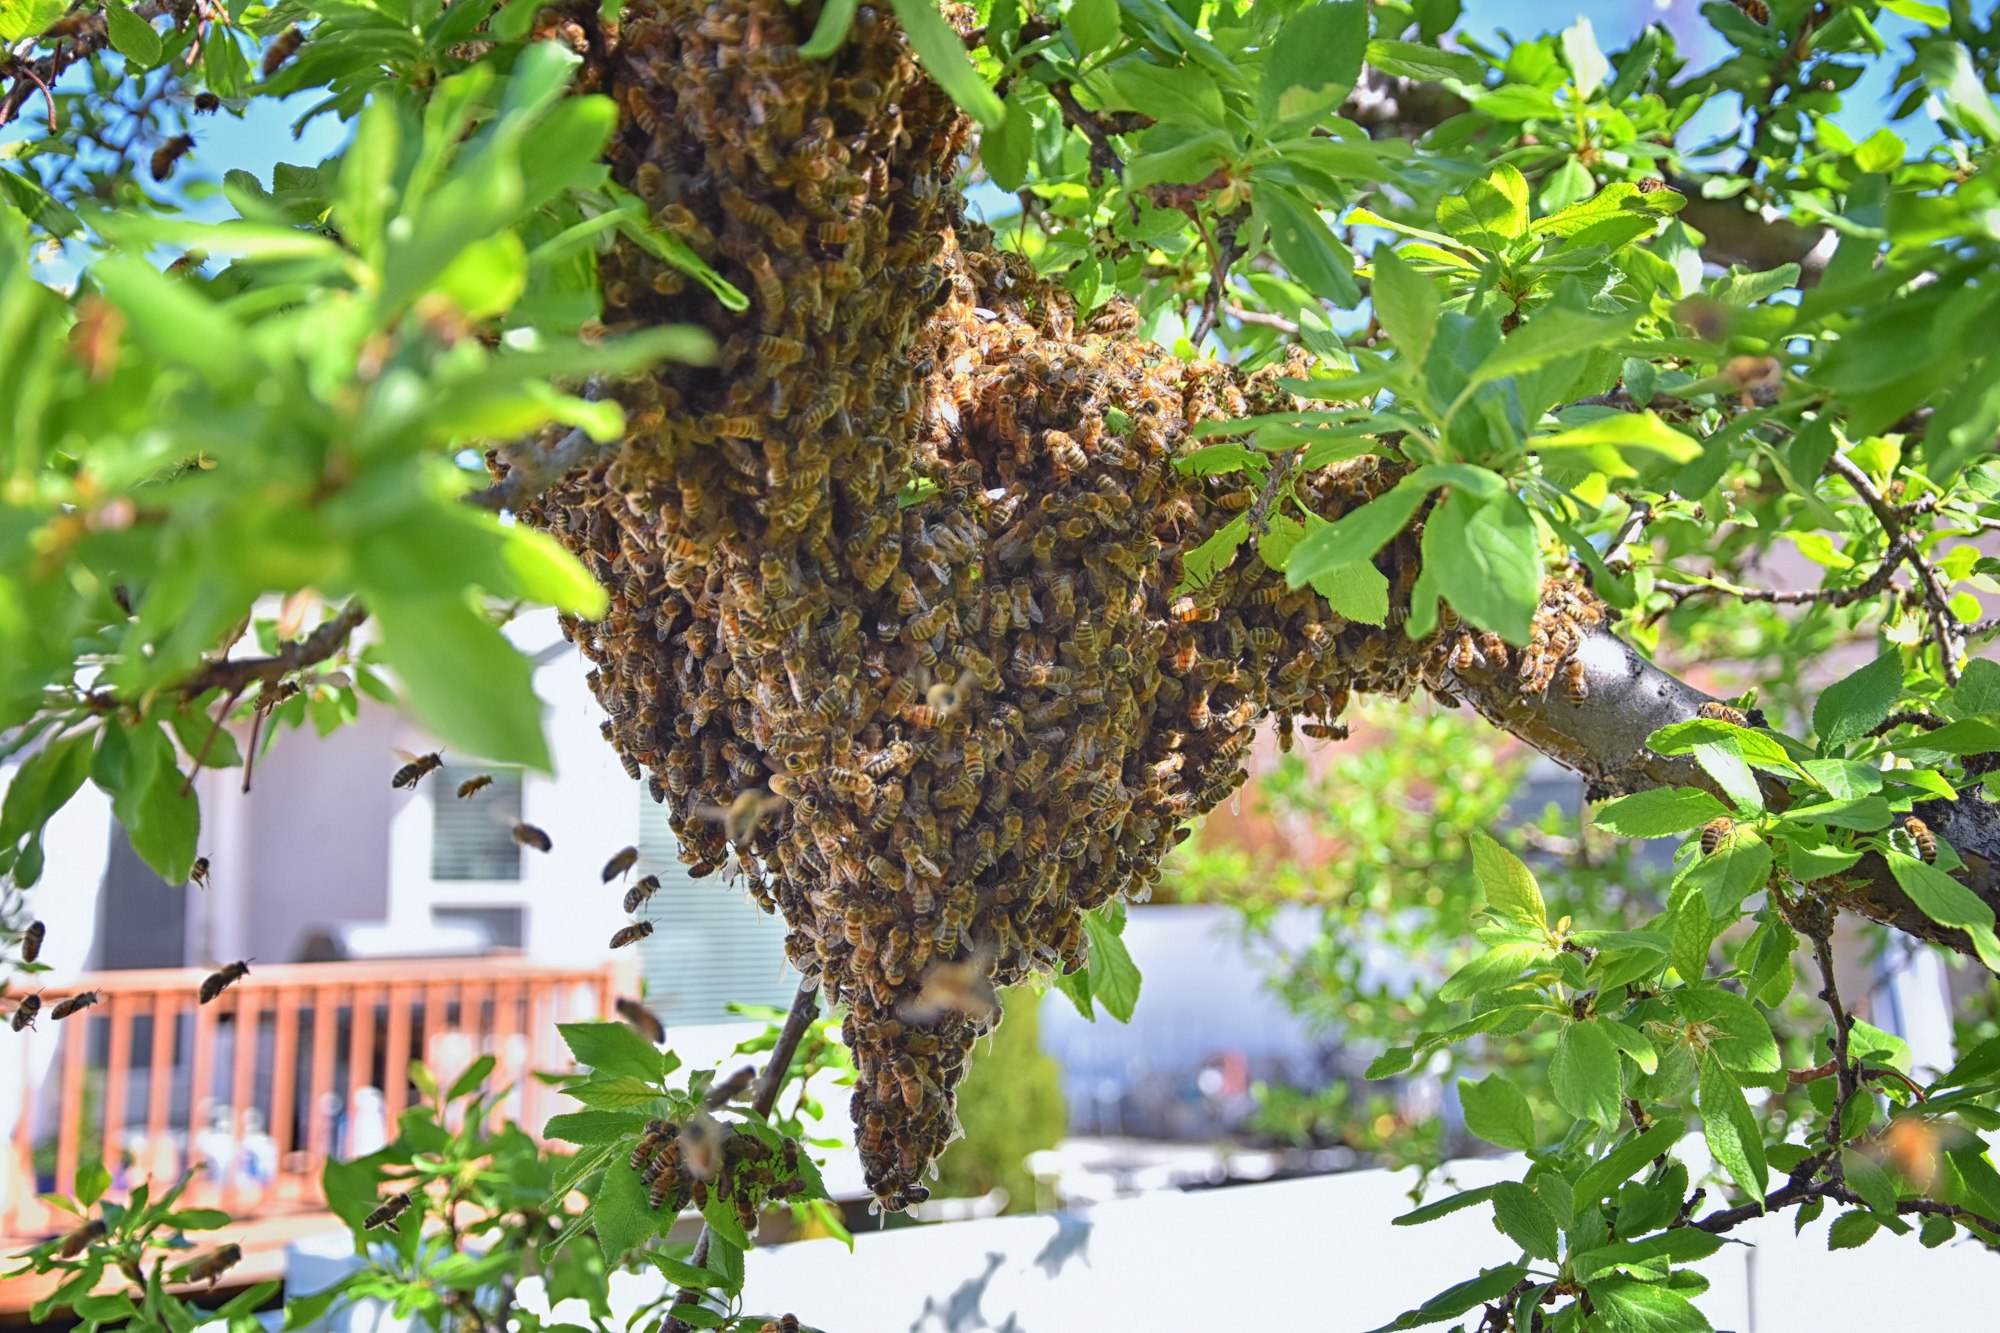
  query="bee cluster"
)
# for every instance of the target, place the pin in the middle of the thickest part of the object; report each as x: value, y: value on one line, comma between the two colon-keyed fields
x: 689, y: 1162
x: 901, y: 578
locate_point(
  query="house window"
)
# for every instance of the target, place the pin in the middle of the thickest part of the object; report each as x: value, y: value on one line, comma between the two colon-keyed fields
x: 710, y: 944
x: 501, y: 925
x: 474, y: 838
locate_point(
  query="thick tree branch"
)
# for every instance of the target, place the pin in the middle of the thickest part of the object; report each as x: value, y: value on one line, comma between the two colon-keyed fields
x: 532, y: 469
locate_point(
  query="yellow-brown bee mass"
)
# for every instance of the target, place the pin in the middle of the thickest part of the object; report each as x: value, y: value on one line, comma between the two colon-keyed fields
x: 908, y: 562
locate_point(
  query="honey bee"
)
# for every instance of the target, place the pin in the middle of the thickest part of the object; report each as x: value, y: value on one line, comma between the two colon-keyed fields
x: 1576, y: 680
x: 1925, y: 840
x: 75, y: 1003
x: 282, y: 48
x: 654, y: 1137
x: 1713, y: 833
x: 1651, y: 185
x: 953, y: 988
x: 529, y: 836
x: 1198, y: 714
x: 198, y: 872
x: 219, y: 981
x: 168, y: 153
x: 631, y: 934
x: 75, y: 1242
x: 1755, y: 10
x: 644, y: 1020
x: 1324, y: 731
x: 419, y: 767
x: 25, y: 1011
x: 1721, y: 712
x: 474, y: 785
x: 701, y: 1140
x: 638, y: 895
x: 31, y: 941
x: 620, y: 863
x: 388, y: 1211
x: 742, y: 816
x: 211, y: 1266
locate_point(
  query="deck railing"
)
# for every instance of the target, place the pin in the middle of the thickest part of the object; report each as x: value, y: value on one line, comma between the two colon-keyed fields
x: 291, y: 1064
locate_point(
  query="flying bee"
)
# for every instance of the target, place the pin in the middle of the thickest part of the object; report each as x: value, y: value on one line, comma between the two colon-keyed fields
x: 1324, y: 731
x: 1716, y: 711
x: 961, y: 988
x: 701, y: 1140
x: 530, y: 836
x: 419, y: 767
x: 620, y: 863
x: 31, y: 941
x: 206, y: 103
x: 75, y: 1003
x: 744, y: 814
x: 1925, y: 840
x: 220, y: 981
x: 389, y: 1210
x: 211, y: 1266
x: 168, y: 153
x: 637, y: 896
x: 75, y: 1242
x: 646, y: 1022
x: 631, y: 934
x: 282, y: 49
x: 1576, y: 680
x: 946, y: 698
x: 25, y: 1011
x: 474, y: 785
x: 1713, y: 833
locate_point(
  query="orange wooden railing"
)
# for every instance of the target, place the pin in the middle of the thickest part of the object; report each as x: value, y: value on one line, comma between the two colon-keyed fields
x: 297, y: 1043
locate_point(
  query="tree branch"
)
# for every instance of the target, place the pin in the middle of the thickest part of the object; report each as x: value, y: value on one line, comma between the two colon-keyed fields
x: 86, y: 37
x: 238, y: 674
x: 1935, y: 599
x: 532, y: 469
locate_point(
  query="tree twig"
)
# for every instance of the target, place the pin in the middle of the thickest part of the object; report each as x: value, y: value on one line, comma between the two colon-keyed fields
x: 1932, y: 586
x: 532, y: 469
x: 239, y: 674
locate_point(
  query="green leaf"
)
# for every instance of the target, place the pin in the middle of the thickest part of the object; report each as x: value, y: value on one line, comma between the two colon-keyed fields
x: 1745, y: 1042
x: 1496, y: 969
x: 1498, y: 1112
x: 1313, y: 61
x: 1629, y: 1305
x: 827, y: 35
x: 1724, y: 762
x: 1406, y: 302
x: 92, y: 1179
x: 472, y: 688
x: 1358, y: 591
x: 1114, y: 977
x: 720, y: 1214
x: 1094, y: 24
x: 1455, y: 1301
x: 1522, y: 1216
x: 1355, y: 536
x: 471, y: 1077
x: 1850, y: 709
x: 1731, y: 1130
x: 1866, y: 1177
x: 1633, y: 1043
x: 1485, y: 560
x: 725, y: 1260
x: 1612, y: 443
x: 1076, y: 985
x: 162, y: 820
x: 591, y: 1127
x: 1852, y: 1230
x: 620, y: 1213
x: 27, y: 18
x: 1490, y: 213
x: 1007, y: 148
x: 131, y: 36
x: 1182, y: 96
x: 1866, y: 813
x: 1414, y: 60
x: 1451, y: 1203
x: 614, y: 1049
x: 1307, y: 247
x: 44, y: 784
x: 1587, y: 65
x: 1215, y: 554
x: 1947, y: 902
x: 1736, y: 869
x: 1658, y: 812
x: 943, y: 57
x: 1953, y: 75
x: 1510, y: 886
x: 1553, y: 335
x: 1584, y: 1075
x: 1602, y: 1177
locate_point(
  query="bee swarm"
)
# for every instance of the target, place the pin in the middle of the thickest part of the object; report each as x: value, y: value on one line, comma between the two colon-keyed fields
x: 907, y: 557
